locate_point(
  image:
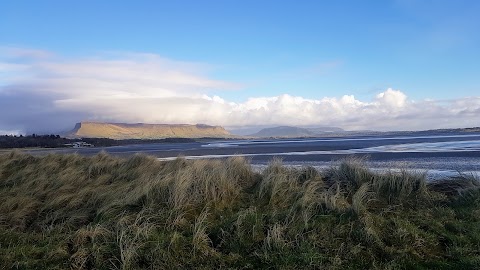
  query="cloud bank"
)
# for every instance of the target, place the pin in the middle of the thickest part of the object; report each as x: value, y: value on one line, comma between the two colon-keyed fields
x: 42, y: 92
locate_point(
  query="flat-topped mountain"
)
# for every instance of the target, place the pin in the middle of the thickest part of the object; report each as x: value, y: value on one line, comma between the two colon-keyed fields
x: 120, y: 131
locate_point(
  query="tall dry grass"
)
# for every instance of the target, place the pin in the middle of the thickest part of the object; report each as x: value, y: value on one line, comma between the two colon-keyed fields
x: 71, y: 211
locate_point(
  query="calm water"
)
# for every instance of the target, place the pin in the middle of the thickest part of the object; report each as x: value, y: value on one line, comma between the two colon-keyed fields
x: 439, y: 154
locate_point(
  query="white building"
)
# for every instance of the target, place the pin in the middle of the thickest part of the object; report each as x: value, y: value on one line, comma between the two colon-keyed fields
x: 79, y: 145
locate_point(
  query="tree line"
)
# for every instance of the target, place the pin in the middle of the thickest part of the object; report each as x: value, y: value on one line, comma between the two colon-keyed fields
x: 56, y: 141
x: 48, y: 141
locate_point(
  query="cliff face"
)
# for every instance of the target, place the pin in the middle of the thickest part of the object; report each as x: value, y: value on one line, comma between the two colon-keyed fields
x: 145, y: 131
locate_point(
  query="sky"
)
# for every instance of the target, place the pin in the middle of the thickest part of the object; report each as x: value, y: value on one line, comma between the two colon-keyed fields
x: 377, y: 65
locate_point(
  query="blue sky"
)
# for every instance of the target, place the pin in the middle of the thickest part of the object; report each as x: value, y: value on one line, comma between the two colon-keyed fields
x: 310, y: 49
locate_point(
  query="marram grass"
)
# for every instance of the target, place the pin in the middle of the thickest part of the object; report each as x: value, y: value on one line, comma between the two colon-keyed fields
x: 103, y: 212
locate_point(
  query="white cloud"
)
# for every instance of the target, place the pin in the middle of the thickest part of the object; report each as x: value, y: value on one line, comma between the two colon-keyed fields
x: 44, y: 92
x: 392, y: 98
x: 10, y: 132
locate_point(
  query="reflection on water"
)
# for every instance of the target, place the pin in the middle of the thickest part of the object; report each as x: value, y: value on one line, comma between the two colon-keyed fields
x: 455, y: 146
x: 293, y: 141
x: 435, y: 167
x: 451, y: 146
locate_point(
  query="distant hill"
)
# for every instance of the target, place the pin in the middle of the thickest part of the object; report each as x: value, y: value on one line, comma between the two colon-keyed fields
x: 284, y: 131
x: 291, y: 132
x: 245, y: 130
x: 120, y: 131
x: 320, y: 130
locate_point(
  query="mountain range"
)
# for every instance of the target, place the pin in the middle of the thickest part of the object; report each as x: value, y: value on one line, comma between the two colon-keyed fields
x: 290, y: 132
x: 123, y: 131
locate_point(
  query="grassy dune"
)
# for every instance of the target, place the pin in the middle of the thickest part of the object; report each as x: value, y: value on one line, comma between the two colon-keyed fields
x: 103, y: 212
